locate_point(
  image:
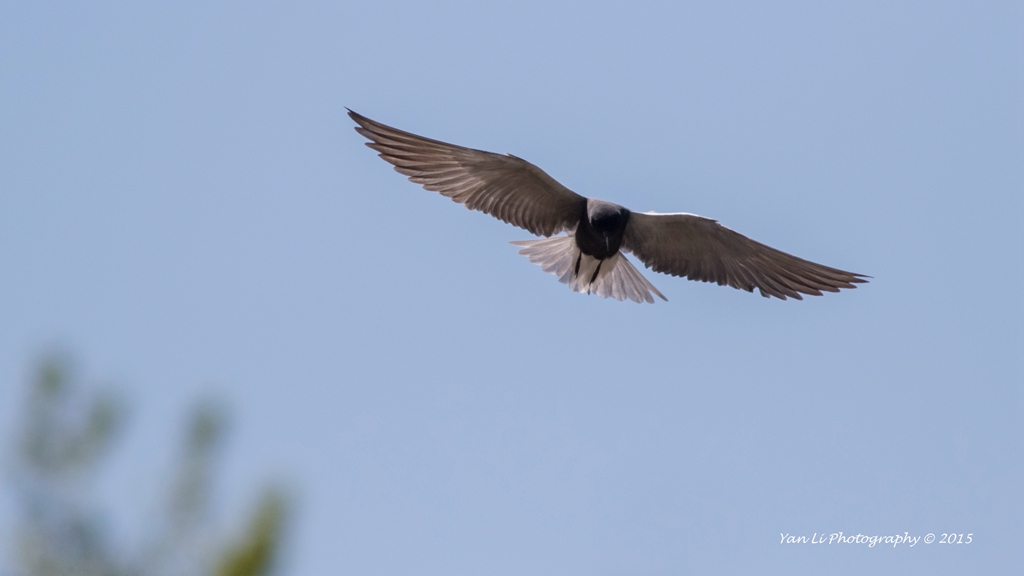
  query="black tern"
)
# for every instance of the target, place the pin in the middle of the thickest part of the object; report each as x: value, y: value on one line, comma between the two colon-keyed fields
x: 589, y: 257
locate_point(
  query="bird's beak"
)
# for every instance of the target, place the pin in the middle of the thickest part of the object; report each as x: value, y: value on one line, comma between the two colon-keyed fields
x: 607, y: 246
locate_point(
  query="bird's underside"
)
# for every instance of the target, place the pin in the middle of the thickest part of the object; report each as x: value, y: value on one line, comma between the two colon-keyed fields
x: 590, y: 257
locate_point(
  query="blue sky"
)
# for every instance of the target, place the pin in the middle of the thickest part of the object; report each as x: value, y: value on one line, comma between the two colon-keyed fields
x: 185, y: 206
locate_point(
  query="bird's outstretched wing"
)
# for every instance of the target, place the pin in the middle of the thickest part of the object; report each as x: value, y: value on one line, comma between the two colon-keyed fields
x: 506, y: 187
x: 702, y: 249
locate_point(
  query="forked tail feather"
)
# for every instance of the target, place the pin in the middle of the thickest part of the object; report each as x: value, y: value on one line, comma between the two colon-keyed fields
x: 615, y: 277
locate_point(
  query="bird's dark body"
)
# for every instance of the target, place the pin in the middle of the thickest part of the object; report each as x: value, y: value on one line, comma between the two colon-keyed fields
x: 602, y: 225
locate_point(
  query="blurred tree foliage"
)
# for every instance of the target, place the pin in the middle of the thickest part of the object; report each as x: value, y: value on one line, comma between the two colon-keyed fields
x: 60, y: 449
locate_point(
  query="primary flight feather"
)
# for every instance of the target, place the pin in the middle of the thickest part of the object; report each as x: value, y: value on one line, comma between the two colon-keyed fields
x: 589, y: 258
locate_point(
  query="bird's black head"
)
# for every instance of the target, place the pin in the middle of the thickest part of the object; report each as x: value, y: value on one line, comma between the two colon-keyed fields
x: 607, y: 218
x: 600, y: 231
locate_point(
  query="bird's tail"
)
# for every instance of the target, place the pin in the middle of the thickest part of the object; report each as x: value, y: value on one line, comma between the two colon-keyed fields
x: 613, y: 277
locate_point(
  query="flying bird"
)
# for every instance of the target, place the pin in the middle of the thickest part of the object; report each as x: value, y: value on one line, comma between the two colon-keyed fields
x: 589, y: 257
